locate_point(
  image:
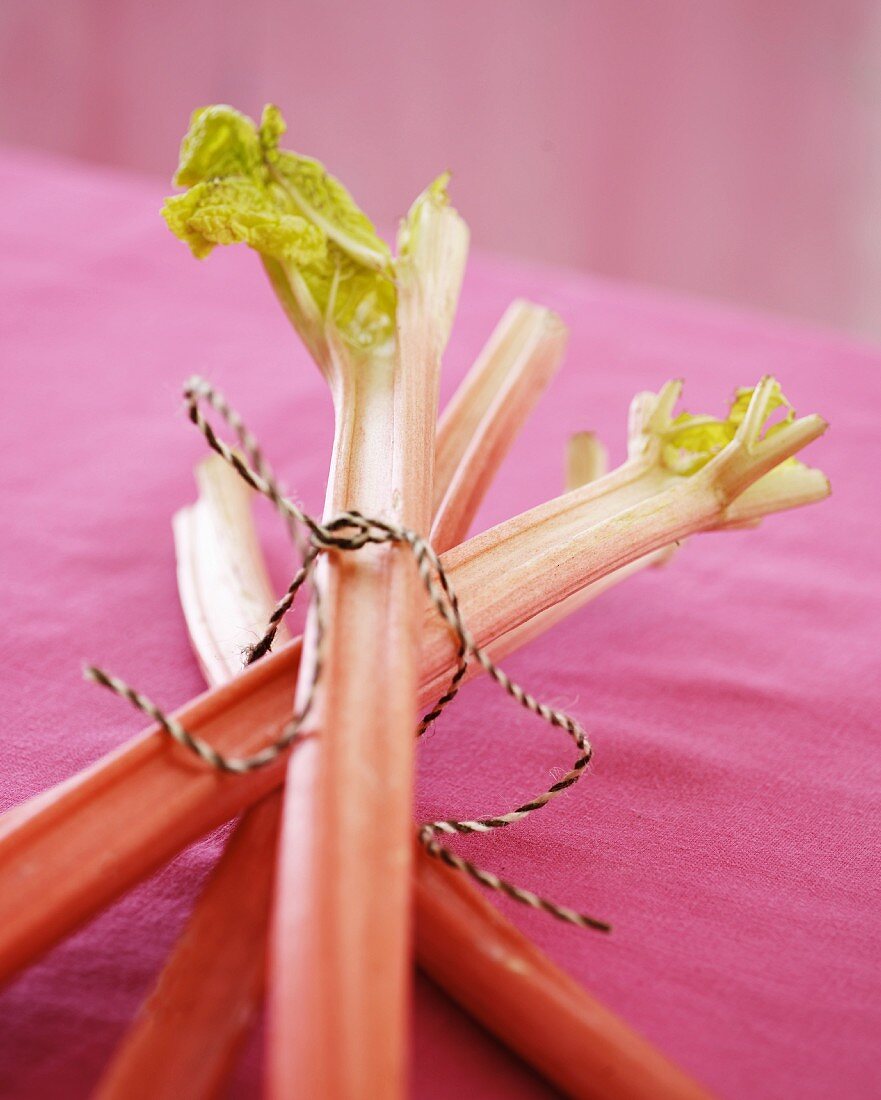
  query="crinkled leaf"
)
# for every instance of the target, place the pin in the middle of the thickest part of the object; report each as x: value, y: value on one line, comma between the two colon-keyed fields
x: 692, y: 441
x: 220, y: 142
x: 243, y: 189
x: 321, y: 197
x: 778, y: 400
x: 239, y: 211
x: 361, y: 302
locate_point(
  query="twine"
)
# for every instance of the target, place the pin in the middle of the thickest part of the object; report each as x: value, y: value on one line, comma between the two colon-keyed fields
x: 349, y: 532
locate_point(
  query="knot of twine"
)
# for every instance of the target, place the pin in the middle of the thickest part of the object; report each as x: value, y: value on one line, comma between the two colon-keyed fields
x: 349, y: 532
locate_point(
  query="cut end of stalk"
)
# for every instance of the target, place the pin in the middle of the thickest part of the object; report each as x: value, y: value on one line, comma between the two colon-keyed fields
x: 222, y: 579
x: 488, y: 410
x: 759, y: 435
x: 785, y: 487
x: 751, y: 456
x: 433, y: 249
x: 667, y: 400
x: 586, y: 460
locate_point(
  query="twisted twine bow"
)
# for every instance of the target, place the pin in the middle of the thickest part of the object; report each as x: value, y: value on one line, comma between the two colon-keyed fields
x: 349, y: 532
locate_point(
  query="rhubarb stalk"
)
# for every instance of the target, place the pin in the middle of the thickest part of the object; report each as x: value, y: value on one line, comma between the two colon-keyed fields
x: 376, y: 327
x: 341, y: 949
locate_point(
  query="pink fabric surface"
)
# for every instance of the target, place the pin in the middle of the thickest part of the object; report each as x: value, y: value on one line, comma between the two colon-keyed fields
x: 729, y: 828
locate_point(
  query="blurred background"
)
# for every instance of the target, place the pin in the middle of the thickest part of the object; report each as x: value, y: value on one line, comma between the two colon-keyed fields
x: 728, y: 148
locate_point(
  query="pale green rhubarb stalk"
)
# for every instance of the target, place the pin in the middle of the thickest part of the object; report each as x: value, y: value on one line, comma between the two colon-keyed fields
x: 376, y: 327
x: 683, y: 475
x: 214, y: 977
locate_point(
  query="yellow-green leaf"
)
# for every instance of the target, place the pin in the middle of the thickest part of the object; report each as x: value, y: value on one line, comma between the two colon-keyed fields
x: 326, y: 203
x: 692, y: 441
x: 220, y: 142
x: 238, y: 211
x: 244, y: 190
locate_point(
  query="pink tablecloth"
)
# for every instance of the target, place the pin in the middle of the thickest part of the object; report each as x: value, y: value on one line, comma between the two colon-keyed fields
x: 730, y: 826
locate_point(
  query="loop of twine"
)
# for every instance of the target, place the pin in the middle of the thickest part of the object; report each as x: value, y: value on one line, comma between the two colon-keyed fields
x: 349, y: 532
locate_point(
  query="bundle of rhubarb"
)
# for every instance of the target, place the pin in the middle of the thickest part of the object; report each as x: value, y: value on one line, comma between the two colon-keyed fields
x: 313, y: 742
